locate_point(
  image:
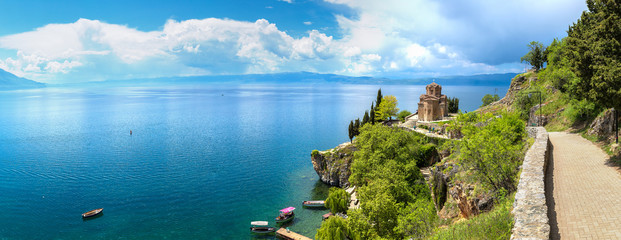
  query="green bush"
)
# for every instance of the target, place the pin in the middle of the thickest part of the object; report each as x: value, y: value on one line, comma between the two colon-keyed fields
x: 403, y: 114
x: 425, y: 152
x: 582, y: 110
x: 314, y: 153
x: 527, y: 99
x: 496, y: 224
x: 488, y: 99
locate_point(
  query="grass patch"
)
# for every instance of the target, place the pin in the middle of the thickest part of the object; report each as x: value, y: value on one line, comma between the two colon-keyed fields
x: 495, y: 224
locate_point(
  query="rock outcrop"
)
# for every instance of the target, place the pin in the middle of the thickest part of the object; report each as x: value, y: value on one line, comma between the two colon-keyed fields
x: 603, y: 126
x: 333, y: 165
x: 514, y: 88
x: 467, y: 206
x: 440, y: 182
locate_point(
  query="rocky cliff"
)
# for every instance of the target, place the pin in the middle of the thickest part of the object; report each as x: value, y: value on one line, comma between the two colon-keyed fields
x: 333, y: 165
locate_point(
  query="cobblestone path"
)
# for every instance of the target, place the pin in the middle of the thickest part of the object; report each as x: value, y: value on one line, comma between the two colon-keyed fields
x: 583, y: 191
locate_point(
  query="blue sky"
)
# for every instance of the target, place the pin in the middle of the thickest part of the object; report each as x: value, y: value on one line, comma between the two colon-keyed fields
x: 75, y: 41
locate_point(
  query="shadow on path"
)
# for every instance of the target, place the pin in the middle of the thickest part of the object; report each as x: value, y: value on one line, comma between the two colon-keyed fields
x: 554, y: 232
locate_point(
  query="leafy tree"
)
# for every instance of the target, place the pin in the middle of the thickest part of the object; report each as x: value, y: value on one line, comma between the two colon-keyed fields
x: 387, y: 108
x: 366, y: 118
x: 357, y: 127
x: 493, y: 152
x: 488, y: 99
x: 359, y: 226
x: 337, y: 200
x: 418, y: 219
x: 386, y: 174
x: 453, y: 105
x: 535, y: 56
x: 403, y: 114
x: 351, y: 131
x: 333, y: 228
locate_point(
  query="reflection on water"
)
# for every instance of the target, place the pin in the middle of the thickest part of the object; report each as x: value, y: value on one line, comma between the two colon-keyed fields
x: 320, y: 191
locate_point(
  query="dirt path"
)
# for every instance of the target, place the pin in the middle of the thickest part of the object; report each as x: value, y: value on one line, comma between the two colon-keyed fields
x: 583, y: 192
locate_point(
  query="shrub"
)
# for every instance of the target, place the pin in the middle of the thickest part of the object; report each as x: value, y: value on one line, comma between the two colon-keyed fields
x: 403, y: 114
x: 581, y: 110
x: 314, y: 153
x: 496, y: 224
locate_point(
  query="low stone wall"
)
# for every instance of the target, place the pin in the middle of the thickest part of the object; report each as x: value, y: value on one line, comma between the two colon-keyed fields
x: 530, y: 212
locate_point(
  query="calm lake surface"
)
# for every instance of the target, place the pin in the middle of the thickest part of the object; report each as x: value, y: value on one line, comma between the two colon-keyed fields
x: 204, y: 160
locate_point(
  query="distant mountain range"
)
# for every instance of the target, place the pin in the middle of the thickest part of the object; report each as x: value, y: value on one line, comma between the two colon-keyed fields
x: 8, y: 81
x: 503, y: 79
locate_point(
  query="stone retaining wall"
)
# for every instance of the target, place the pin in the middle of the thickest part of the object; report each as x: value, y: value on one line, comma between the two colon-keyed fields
x: 530, y: 212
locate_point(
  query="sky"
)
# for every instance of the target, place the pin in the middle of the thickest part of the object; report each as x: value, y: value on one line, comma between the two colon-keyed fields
x: 67, y: 41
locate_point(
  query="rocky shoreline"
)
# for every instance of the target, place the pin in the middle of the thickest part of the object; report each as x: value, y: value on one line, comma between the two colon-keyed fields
x: 333, y: 165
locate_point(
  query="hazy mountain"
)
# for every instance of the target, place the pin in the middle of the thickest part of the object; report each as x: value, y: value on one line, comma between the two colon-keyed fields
x: 307, y: 77
x: 9, y: 81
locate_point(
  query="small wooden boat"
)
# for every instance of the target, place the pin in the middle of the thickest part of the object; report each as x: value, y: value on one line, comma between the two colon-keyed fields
x: 260, y: 227
x: 314, y: 204
x: 326, y: 216
x: 286, y: 215
x: 92, y: 213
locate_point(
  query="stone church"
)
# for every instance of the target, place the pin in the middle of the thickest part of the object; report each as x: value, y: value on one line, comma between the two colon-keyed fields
x: 433, y: 105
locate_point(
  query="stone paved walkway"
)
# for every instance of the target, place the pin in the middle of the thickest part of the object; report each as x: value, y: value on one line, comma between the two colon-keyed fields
x: 583, y: 192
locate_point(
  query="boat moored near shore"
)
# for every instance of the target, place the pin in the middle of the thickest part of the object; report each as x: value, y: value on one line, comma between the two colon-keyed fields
x: 286, y: 215
x: 314, y: 204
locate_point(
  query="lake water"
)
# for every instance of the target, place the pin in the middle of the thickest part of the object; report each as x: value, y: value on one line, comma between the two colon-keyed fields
x: 203, y: 160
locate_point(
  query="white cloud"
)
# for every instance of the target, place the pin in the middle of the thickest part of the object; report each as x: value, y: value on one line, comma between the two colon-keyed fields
x: 288, y: 1
x: 308, y: 23
x: 382, y: 38
x: 207, y: 46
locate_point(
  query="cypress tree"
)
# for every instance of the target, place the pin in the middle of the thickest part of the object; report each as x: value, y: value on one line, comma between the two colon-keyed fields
x: 365, y: 119
x: 351, y: 131
x: 372, y: 115
x: 379, y: 99
x: 357, y: 127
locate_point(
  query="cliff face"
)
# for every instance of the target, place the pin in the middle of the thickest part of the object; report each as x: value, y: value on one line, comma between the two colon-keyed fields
x: 333, y: 165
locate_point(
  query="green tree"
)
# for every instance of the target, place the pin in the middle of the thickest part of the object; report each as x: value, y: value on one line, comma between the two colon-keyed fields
x: 535, y: 56
x: 453, y: 105
x: 387, y: 108
x: 488, y: 99
x: 338, y: 200
x: 351, y: 131
x: 359, y: 226
x: 333, y: 228
x: 418, y: 219
x: 378, y: 99
x: 594, y: 45
x: 494, y: 152
x: 357, y: 127
x: 403, y: 114
x: 386, y: 174
x: 366, y: 118
x: 372, y: 114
